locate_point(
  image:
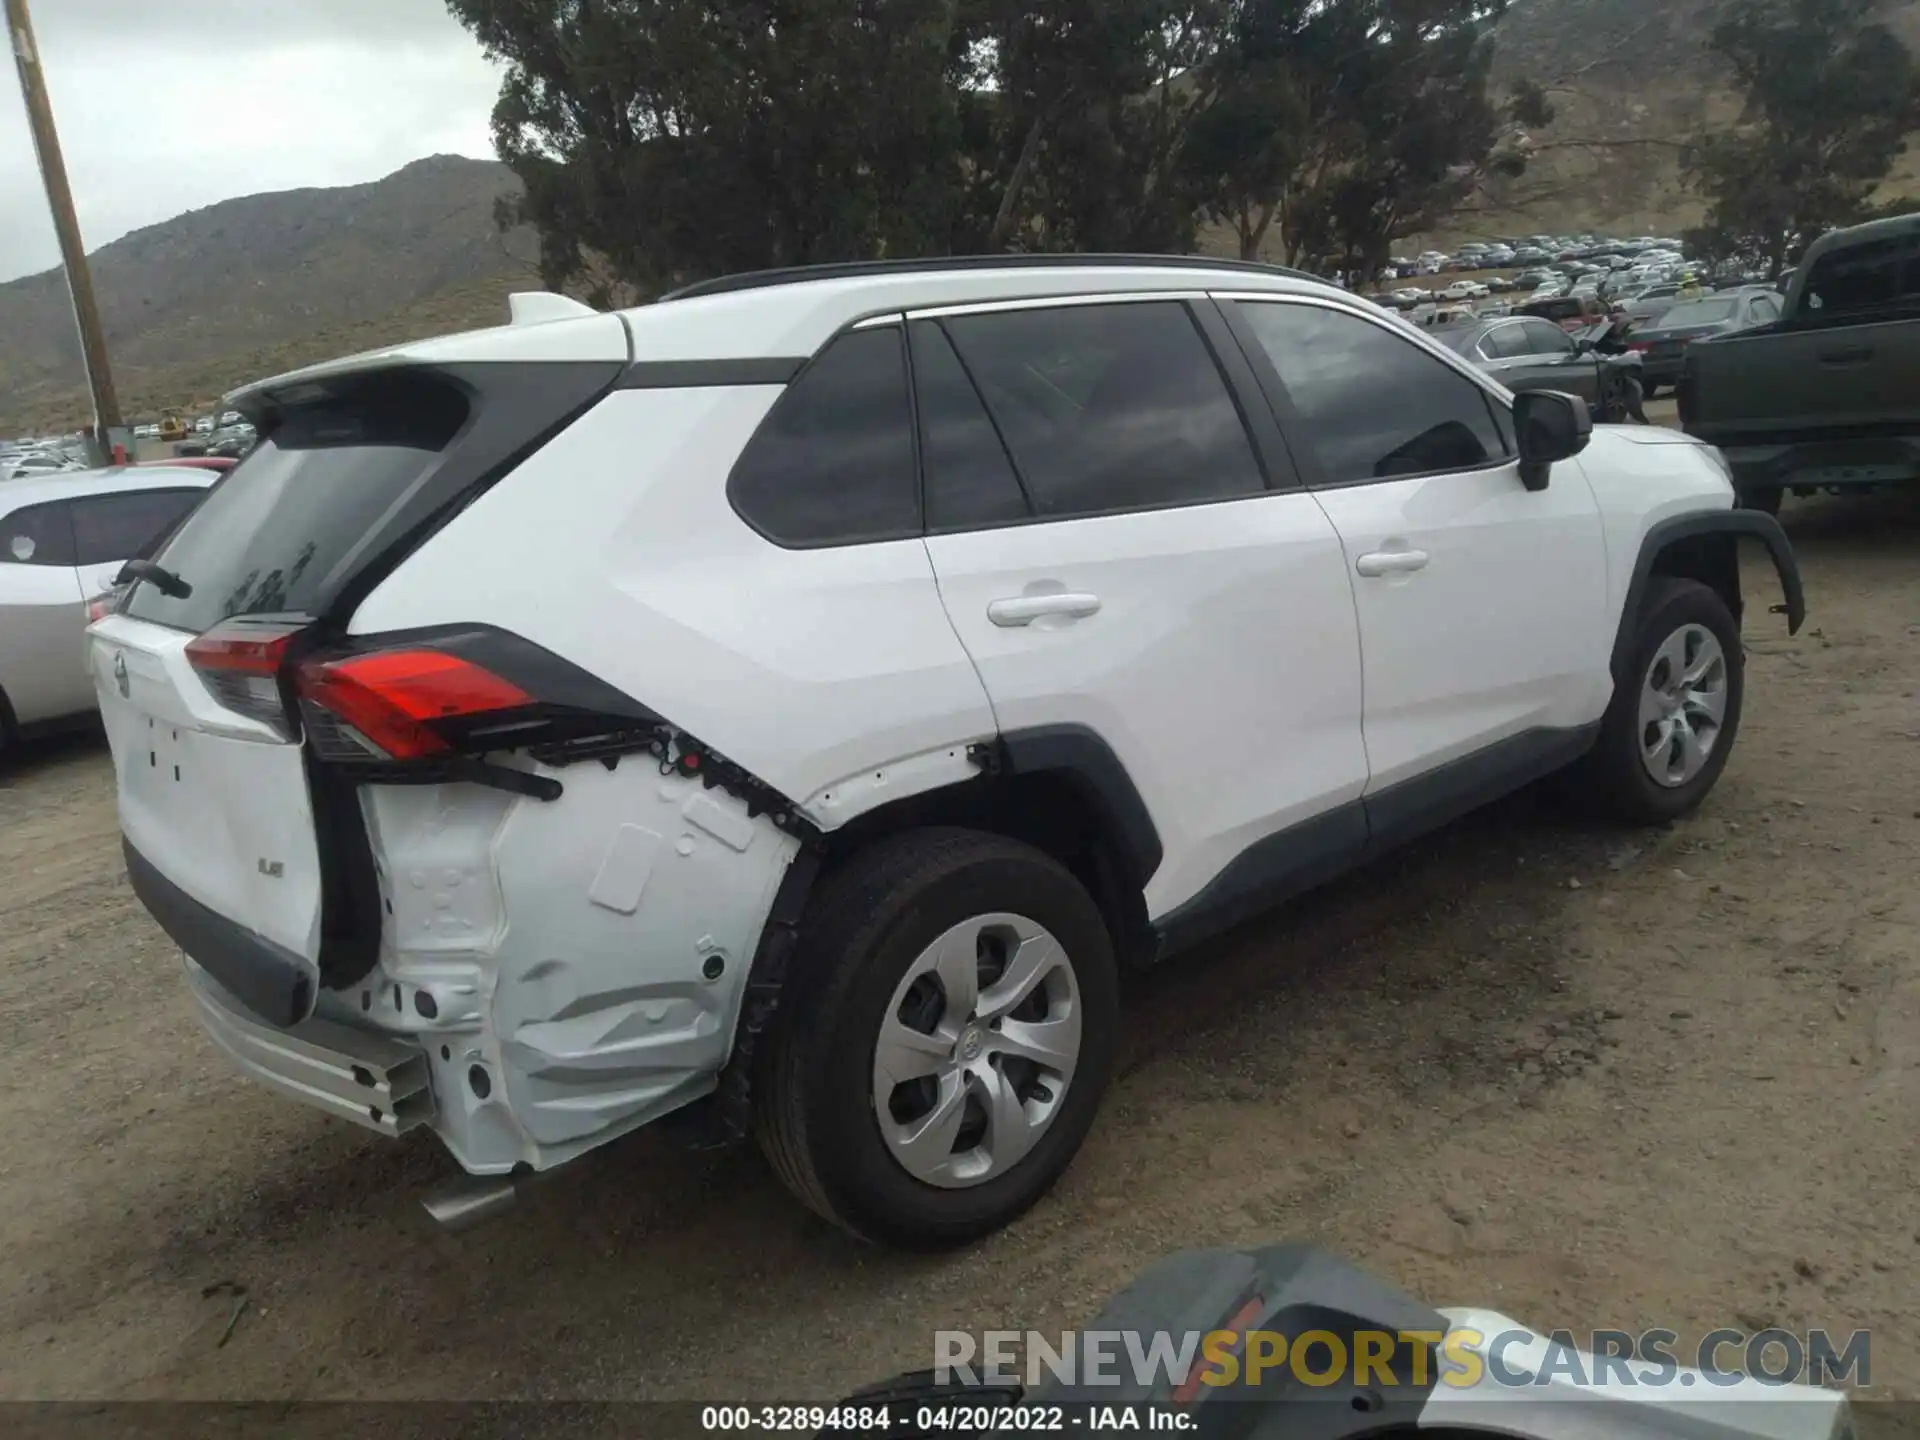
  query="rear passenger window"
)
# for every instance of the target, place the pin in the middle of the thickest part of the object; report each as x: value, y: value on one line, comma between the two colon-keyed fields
x: 37, y: 535
x: 1505, y: 342
x: 970, y: 482
x: 120, y: 527
x: 1374, y: 405
x: 1868, y: 276
x: 1543, y: 337
x: 833, y: 462
x: 1108, y: 407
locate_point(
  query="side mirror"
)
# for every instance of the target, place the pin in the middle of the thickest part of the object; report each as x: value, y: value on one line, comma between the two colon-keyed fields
x: 1551, y: 426
x: 1584, y: 346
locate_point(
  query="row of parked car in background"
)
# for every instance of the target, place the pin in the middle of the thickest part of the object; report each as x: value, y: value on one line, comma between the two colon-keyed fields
x: 28, y: 456
x: 228, y: 435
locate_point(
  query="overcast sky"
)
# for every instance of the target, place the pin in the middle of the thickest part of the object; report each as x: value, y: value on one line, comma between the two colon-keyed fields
x: 165, y: 106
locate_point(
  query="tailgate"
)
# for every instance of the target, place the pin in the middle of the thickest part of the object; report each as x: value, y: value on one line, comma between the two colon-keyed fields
x: 215, y: 802
x: 1782, y: 385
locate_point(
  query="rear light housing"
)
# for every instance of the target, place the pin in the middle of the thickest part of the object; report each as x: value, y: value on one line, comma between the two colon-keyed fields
x: 426, y: 706
x: 239, y: 661
x: 106, y: 603
x: 404, y: 704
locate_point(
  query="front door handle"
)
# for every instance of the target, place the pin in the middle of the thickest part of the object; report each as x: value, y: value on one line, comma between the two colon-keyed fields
x: 1025, y: 609
x: 1391, y: 562
x: 1860, y: 355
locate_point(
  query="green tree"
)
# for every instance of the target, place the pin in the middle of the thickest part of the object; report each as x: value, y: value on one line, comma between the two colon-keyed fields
x: 1091, y: 106
x: 667, y: 139
x: 1829, y: 97
x: 1344, y: 125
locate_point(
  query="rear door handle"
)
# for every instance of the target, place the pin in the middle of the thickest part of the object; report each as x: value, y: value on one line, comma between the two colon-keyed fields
x: 1025, y: 609
x: 1391, y: 562
x: 1857, y: 356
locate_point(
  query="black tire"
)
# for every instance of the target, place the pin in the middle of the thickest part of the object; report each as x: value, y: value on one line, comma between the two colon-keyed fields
x: 1613, y: 779
x: 1765, y: 499
x: 865, y: 924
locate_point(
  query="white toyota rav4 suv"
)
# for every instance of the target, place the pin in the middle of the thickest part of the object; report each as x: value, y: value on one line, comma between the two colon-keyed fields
x: 791, y: 702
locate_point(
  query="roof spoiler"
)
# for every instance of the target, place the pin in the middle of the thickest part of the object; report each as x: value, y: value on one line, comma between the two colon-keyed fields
x: 537, y: 307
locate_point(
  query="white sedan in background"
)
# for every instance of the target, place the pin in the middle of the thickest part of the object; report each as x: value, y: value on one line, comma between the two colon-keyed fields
x: 63, y: 539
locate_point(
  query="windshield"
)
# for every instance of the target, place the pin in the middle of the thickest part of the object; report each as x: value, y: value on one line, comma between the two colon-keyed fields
x: 1700, y: 312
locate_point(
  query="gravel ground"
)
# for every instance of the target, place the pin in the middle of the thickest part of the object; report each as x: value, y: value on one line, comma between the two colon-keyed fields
x: 1585, y: 1076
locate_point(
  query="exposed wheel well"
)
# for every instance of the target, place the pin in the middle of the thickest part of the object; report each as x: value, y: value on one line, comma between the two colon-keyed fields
x: 1712, y: 558
x: 1051, y: 810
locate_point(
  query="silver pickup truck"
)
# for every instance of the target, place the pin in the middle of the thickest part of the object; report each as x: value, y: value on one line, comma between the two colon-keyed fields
x: 1827, y: 397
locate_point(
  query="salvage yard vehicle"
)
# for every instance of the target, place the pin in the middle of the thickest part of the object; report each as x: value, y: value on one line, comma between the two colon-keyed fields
x: 1525, y: 352
x: 786, y: 705
x: 62, y: 539
x: 1663, y: 342
x: 1825, y: 398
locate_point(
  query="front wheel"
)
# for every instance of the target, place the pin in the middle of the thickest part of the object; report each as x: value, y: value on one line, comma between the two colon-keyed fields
x: 947, y: 1032
x: 1671, y: 726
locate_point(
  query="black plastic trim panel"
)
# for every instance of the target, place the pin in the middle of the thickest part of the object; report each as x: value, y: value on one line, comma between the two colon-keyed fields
x: 694, y: 374
x: 1737, y: 524
x: 1292, y: 861
x: 1425, y: 802
x: 1267, y: 873
x: 1078, y: 753
x: 270, y: 980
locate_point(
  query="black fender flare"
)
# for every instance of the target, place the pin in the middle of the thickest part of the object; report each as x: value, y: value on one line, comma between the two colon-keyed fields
x: 1737, y: 525
x: 1081, y: 756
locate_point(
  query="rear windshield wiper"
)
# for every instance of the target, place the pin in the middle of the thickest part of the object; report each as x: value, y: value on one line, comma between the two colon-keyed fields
x: 161, y: 578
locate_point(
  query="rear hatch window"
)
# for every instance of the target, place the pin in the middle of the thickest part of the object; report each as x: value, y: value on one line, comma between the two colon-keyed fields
x: 284, y: 530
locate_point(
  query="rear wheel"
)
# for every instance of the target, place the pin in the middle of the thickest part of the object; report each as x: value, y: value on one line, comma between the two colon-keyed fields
x: 1667, y: 735
x: 946, y: 1035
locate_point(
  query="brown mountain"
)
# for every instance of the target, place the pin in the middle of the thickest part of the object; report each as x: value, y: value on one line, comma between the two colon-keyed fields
x: 254, y: 285
x: 1630, y: 82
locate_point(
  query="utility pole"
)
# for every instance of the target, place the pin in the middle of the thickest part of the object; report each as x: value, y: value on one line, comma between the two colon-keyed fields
x: 108, y: 432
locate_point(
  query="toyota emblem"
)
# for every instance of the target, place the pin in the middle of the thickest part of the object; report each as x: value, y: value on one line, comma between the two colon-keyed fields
x: 120, y: 676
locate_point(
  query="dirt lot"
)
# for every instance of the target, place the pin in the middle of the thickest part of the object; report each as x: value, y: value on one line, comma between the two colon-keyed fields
x: 1584, y: 1076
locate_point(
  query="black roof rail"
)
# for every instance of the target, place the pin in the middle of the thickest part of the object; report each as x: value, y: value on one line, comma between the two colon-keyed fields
x: 859, y: 269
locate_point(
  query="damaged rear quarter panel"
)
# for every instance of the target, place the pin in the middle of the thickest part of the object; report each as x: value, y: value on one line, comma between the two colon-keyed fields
x: 589, y: 952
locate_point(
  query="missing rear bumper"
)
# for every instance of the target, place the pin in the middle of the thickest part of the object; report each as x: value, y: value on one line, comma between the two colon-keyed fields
x: 376, y: 1082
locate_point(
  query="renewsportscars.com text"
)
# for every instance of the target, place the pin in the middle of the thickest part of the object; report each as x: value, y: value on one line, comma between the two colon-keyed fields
x: 1461, y: 1357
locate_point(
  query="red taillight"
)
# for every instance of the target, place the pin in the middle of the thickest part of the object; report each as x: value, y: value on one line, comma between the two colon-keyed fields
x: 99, y: 607
x: 239, y: 663
x: 240, y: 650
x: 386, y: 703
